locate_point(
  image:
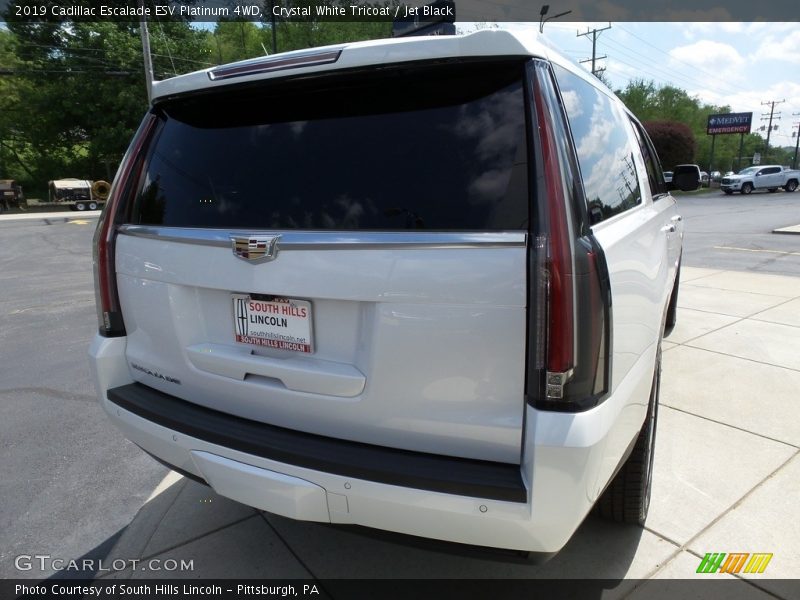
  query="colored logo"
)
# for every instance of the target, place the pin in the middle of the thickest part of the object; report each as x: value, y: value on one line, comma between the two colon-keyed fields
x: 255, y: 249
x: 734, y: 562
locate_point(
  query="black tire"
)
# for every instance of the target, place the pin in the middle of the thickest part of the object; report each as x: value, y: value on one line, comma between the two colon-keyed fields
x: 80, y: 206
x: 92, y: 205
x: 672, y: 307
x: 747, y: 188
x: 773, y: 190
x: 790, y: 186
x: 627, y: 497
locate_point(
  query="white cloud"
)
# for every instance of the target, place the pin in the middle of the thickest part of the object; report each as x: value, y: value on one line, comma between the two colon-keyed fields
x: 600, y: 128
x: 709, y: 56
x: 786, y: 48
x: 572, y: 103
x: 694, y: 30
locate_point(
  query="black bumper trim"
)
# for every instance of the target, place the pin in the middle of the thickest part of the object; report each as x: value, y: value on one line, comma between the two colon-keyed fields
x: 418, y: 470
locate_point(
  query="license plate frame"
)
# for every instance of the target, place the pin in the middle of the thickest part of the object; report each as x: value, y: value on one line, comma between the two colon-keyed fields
x: 276, y: 322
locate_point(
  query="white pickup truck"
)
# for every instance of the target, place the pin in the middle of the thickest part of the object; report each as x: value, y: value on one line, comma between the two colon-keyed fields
x: 760, y: 177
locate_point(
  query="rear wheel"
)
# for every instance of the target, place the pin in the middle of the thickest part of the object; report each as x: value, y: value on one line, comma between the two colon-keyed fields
x: 790, y: 186
x: 80, y: 206
x: 672, y: 307
x: 627, y: 498
x: 747, y: 188
x: 92, y: 205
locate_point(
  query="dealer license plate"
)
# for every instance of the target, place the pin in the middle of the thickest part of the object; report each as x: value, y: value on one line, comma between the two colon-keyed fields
x: 282, y: 323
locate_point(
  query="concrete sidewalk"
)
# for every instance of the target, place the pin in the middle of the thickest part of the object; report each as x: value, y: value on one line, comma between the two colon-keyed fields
x: 726, y: 475
x: 61, y: 215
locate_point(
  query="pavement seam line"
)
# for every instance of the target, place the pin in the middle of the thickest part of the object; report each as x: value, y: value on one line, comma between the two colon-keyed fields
x: 163, y: 514
x: 152, y: 533
x: 719, y: 289
x: 740, y: 578
x: 649, y: 576
x: 668, y: 560
x: 170, y: 548
x: 688, y: 281
x: 738, y: 320
x: 716, y: 312
x: 733, y: 506
x: 766, y: 437
x: 685, y: 546
x: 739, y: 317
x: 198, y: 537
x: 290, y: 549
x: 753, y: 360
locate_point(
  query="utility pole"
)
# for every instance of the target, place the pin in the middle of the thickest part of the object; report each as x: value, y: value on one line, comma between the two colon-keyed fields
x: 595, y: 33
x: 764, y: 117
x: 796, y: 134
x: 148, y: 58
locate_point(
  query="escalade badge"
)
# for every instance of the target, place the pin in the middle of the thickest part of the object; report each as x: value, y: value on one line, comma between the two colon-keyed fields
x: 255, y: 249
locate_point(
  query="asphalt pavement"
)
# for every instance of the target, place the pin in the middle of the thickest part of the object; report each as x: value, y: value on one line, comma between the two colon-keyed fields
x: 68, y: 483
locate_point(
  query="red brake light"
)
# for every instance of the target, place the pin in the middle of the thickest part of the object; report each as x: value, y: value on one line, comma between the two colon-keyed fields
x: 109, y: 315
x: 560, y: 356
x: 276, y: 63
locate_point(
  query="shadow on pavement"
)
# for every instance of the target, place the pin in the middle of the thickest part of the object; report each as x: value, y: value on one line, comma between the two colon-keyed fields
x: 188, y: 522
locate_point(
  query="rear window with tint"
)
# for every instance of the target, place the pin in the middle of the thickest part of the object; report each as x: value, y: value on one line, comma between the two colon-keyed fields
x: 437, y: 147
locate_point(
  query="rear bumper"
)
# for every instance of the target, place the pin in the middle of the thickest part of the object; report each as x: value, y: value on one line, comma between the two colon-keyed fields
x: 535, y: 506
x: 479, y: 479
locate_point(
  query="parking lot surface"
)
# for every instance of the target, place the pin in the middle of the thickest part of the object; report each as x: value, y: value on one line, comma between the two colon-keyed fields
x: 726, y: 467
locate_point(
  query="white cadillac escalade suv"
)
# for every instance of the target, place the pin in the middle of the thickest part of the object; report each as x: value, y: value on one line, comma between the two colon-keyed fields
x: 418, y: 285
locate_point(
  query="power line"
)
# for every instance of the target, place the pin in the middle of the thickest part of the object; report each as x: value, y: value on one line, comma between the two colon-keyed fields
x: 644, y: 41
x: 595, y: 33
x: 686, y: 79
x: 771, y: 104
x: 166, y: 45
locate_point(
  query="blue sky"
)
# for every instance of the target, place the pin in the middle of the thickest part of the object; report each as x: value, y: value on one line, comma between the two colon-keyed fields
x: 736, y: 64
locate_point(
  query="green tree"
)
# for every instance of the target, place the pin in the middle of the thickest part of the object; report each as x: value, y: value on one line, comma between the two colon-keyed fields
x: 73, y: 93
x: 234, y: 40
x: 77, y: 93
x: 13, y: 163
x: 668, y: 103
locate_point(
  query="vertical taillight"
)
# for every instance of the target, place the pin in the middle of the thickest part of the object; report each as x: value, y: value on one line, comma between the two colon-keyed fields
x: 559, y: 269
x: 109, y: 314
x: 568, y: 282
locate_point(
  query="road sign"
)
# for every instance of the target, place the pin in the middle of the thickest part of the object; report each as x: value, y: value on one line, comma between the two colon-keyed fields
x: 729, y: 123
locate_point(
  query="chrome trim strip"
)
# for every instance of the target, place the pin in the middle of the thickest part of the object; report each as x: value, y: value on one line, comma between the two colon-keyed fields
x: 328, y: 240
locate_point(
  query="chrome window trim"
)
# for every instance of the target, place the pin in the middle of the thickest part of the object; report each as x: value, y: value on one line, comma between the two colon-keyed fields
x: 329, y: 240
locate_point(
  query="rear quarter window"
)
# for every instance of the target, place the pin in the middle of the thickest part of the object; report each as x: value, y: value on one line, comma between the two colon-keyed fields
x: 605, y: 154
x: 438, y: 148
